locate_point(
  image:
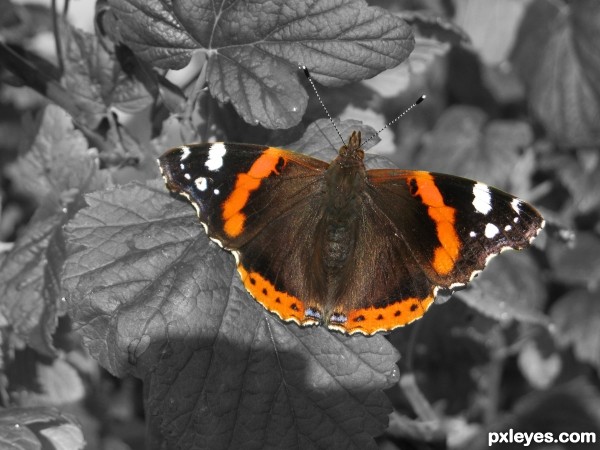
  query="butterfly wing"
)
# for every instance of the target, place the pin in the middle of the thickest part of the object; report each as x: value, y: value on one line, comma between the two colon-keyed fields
x: 235, y: 188
x: 426, y: 231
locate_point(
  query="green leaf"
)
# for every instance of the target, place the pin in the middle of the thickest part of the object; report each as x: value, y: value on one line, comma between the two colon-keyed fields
x: 154, y: 297
x: 254, y: 48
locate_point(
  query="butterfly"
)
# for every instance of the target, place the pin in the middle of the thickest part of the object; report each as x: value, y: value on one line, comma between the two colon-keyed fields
x: 332, y: 243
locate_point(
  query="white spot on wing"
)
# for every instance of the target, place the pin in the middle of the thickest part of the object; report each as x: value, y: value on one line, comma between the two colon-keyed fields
x: 215, y: 156
x: 482, y: 200
x: 187, y: 176
x: 201, y: 183
x: 507, y: 228
x: 491, y: 230
x: 185, y: 152
x: 472, y: 234
x: 217, y: 192
x: 516, y: 205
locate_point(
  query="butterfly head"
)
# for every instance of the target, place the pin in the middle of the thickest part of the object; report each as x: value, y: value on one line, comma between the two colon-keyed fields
x: 353, y: 150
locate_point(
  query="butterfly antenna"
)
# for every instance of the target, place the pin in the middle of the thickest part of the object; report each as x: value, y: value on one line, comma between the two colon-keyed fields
x: 307, y: 74
x: 419, y: 100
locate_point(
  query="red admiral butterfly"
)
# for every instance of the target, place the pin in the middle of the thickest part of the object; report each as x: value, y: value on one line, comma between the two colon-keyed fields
x: 359, y: 250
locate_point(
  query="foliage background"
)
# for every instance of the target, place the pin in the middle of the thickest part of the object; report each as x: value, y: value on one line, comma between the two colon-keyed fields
x: 122, y: 326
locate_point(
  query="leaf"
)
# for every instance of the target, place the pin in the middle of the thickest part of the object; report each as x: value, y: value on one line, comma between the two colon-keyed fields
x: 576, y: 316
x: 572, y: 407
x: 556, y: 55
x: 578, y: 264
x: 510, y: 288
x: 155, y: 298
x: 491, y: 25
x: 22, y: 22
x: 409, y: 429
x: 53, y: 172
x: 435, y: 27
x: 434, y: 36
x: 464, y: 143
x: 254, y: 48
x: 37, y: 428
x: 67, y: 436
x: 448, y: 351
x: 97, y: 80
x: 580, y: 177
x: 397, y: 80
x: 58, y: 162
x: 540, y: 370
x: 52, y: 383
x: 27, y: 304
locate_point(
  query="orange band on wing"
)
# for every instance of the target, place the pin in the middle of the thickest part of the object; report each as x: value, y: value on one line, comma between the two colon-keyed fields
x: 372, y: 320
x: 444, y: 257
x: 233, y: 217
x: 287, y: 307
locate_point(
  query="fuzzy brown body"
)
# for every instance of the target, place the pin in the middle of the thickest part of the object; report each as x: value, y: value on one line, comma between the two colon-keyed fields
x: 338, y: 230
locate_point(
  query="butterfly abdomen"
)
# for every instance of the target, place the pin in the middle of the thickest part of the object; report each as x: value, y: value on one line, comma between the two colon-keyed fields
x: 338, y: 228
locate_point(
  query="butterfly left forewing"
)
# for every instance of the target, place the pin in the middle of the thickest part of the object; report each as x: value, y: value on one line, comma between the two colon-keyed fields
x: 261, y: 203
x: 232, y: 185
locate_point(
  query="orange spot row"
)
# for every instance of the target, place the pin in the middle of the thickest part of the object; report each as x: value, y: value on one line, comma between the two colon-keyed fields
x: 371, y: 320
x: 286, y: 306
x: 444, y: 257
x: 233, y: 217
